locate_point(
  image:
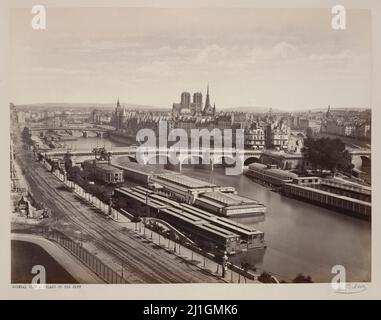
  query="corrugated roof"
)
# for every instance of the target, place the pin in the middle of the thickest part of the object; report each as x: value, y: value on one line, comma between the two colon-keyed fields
x: 186, y: 181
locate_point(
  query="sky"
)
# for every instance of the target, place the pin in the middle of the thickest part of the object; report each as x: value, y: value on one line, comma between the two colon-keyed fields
x: 285, y: 59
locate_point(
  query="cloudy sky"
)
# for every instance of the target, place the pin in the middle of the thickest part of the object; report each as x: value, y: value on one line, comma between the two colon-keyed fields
x: 283, y: 59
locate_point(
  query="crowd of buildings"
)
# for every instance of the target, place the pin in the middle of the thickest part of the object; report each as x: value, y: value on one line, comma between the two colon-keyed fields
x: 348, y: 124
x: 264, y: 131
x: 279, y: 131
x: 271, y: 130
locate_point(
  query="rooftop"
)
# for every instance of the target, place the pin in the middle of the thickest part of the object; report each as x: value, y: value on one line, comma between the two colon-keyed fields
x: 330, y: 194
x: 104, y: 165
x: 146, y: 169
x: 227, y: 199
x: 278, y: 173
x: 186, y: 181
x: 107, y: 167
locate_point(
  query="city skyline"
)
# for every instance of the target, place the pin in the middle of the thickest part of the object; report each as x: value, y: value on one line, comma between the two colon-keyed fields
x: 244, y: 58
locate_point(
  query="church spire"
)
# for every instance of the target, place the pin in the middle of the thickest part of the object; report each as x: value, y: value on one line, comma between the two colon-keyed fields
x: 207, y: 102
x: 328, y: 113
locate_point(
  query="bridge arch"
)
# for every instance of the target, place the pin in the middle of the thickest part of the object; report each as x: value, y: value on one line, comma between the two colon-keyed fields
x: 360, y: 161
x: 225, y: 160
x: 250, y: 160
x: 192, y: 160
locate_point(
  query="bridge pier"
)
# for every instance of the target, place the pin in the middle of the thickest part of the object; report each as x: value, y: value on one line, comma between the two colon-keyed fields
x: 84, y: 134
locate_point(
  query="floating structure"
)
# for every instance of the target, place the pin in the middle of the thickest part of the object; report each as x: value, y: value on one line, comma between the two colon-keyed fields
x: 327, y: 199
x: 223, y: 201
x: 229, y: 204
x: 184, y: 188
x: 216, y: 234
x: 270, y: 174
x: 346, y: 197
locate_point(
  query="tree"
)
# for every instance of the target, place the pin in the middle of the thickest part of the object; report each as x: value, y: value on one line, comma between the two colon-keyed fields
x: 74, y: 174
x: 68, y: 162
x: 327, y: 154
x: 266, y: 278
x: 300, y: 278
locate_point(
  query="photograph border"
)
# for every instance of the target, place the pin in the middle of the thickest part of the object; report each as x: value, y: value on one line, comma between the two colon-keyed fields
x: 192, y: 291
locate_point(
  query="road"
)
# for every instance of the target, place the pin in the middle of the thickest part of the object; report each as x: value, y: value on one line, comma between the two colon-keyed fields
x: 142, y: 263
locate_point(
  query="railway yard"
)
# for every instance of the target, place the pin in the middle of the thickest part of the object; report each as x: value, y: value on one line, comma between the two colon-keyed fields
x: 109, y: 240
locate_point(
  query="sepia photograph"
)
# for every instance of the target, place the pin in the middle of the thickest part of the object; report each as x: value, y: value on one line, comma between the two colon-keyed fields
x: 190, y: 144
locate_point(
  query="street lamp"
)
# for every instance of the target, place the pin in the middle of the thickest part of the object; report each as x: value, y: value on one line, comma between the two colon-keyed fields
x: 224, y: 264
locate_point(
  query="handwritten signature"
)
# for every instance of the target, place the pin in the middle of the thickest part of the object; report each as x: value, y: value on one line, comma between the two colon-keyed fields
x: 351, y: 288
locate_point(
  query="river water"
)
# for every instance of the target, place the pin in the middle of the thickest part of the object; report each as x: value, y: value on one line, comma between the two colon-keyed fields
x: 301, y: 237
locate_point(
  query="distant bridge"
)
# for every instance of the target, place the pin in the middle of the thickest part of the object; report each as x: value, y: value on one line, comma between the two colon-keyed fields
x: 99, y: 130
x: 360, y: 152
x: 160, y: 151
x: 66, y: 128
x: 212, y: 156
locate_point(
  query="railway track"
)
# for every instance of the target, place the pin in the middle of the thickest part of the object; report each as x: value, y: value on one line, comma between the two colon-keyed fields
x: 142, y: 263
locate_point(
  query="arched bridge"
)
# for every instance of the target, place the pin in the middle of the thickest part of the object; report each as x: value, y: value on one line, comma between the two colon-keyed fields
x: 181, y: 156
x: 182, y: 152
x: 100, y: 131
x: 68, y: 128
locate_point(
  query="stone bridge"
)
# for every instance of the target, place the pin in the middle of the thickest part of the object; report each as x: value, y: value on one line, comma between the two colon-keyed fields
x: 180, y: 157
x: 100, y: 131
x: 227, y: 156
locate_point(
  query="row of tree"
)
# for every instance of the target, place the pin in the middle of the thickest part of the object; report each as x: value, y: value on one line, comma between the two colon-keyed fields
x: 327, y: 154
x: 265, y: 277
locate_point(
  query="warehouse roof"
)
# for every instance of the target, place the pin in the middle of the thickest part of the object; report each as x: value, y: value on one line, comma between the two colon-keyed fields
x: 186, y: 181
